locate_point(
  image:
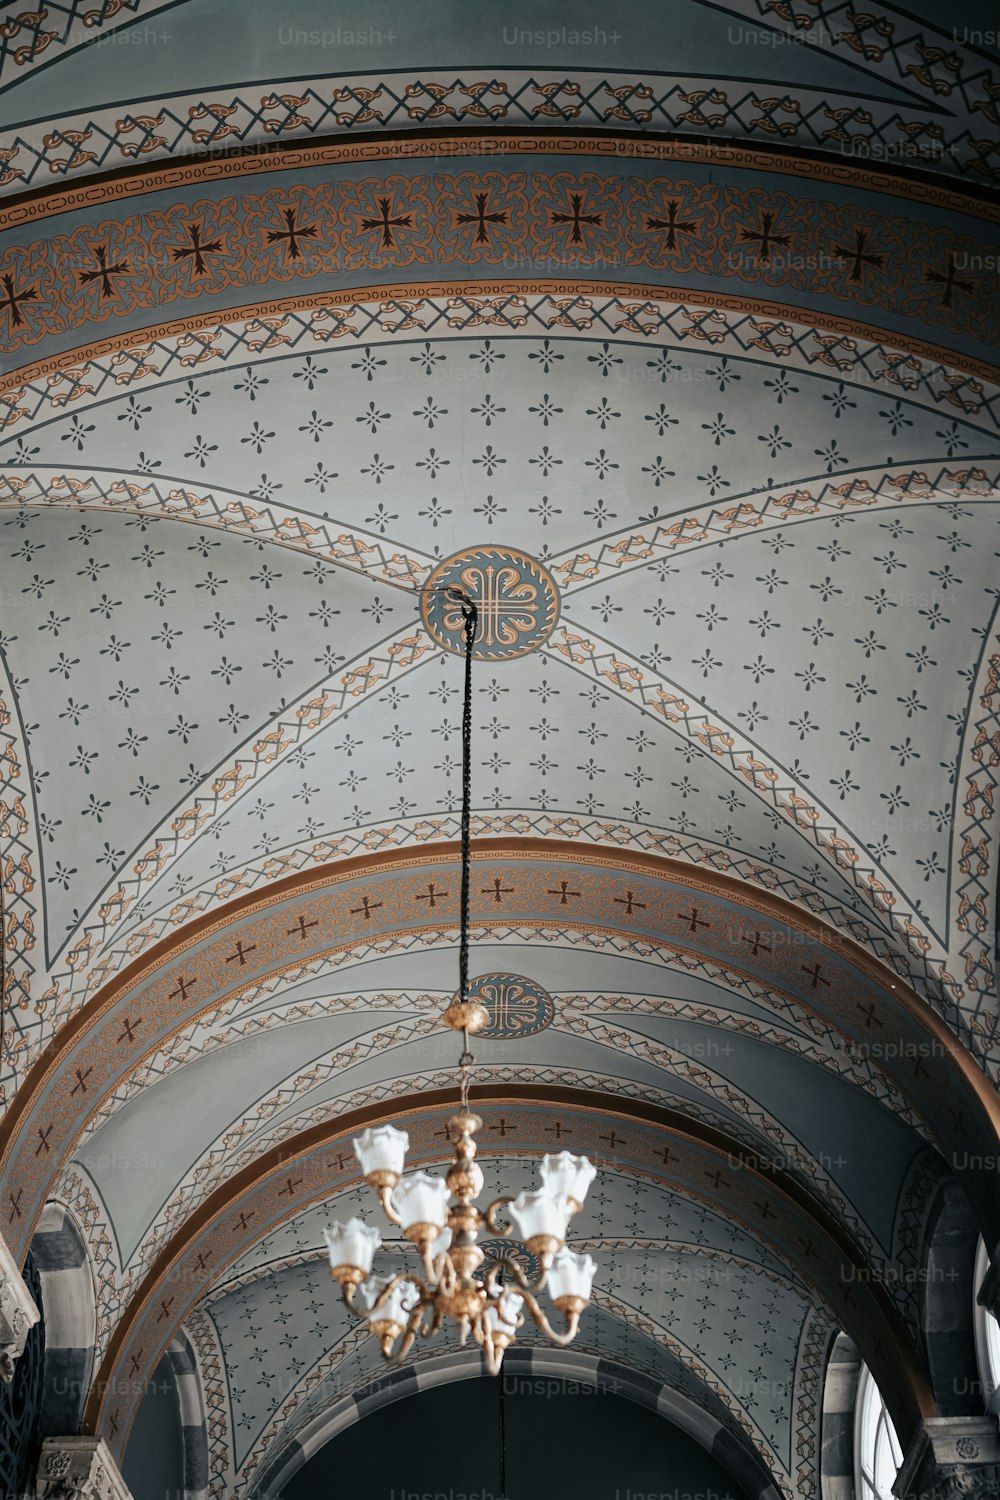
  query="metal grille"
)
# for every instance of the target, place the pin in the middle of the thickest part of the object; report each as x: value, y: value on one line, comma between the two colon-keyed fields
x: 20, y: 1404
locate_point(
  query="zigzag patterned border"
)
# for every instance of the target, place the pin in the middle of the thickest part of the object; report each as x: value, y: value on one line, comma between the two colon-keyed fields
x: 26, y: 36
x: 18, y: 875
x: 975, y: 841
x: 244, y: 118
x: 727, y: 327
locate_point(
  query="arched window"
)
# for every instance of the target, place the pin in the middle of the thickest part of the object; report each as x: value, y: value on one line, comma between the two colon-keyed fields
x: 876, y: 1446
x: 987, y: 1337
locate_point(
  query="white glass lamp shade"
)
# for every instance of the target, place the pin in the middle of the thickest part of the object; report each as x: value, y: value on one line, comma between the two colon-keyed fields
x: 351, y: 1247
x: 388, y: 1321
x: 380, y: 1152
x: 540, y: 1219
x: 441, y: 1244
x: 571, y: 1277
x: 397, y: 1306
x: 421, y: 1201
x: 502, y: 1316
x: 565, y: 1173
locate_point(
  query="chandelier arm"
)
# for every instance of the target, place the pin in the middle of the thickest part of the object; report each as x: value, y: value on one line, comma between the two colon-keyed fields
x: 508, y: 1267
x: 412, y: 1328
x: 432, y: 1268
x: 385, y: 1199
x: 494, y: 1357
x: 429, y: 1330
x: 561, y: 1339
x: 387, y: 1292
x: 490, y: 1217
x: 347, y: 1291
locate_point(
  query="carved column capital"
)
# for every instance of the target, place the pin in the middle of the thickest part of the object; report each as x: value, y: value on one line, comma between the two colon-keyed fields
x: 951, y: 1458
x: 18, y: 1313
x: 78, y: 1468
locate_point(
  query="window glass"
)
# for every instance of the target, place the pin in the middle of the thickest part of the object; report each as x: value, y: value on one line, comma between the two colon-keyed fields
x: 987, y: 1332
x: 878, y: 1454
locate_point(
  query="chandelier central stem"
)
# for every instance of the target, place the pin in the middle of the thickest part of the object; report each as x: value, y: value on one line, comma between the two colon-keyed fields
x: 460, y: 1281
x: 470, y: 618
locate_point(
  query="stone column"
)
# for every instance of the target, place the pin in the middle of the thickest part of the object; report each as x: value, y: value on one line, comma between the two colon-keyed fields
x: 18, y: 1313
x: 78, y: 1468
x: 951, y: 1458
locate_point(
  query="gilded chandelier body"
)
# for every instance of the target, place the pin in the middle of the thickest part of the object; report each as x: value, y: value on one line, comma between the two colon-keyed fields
x: 458, y: 1282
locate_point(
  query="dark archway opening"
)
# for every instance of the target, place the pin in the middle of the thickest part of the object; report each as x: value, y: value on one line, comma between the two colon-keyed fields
x: 520, y: 1437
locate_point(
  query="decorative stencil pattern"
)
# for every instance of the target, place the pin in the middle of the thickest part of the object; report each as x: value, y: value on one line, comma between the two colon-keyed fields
x: 518, y: 1007
x: 155, y: 650
x: 802, y: 247
x: 515, y: 597
x: 158, y: 129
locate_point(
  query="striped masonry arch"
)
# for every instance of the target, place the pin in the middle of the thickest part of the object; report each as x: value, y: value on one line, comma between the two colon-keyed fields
x: 527, y: 1365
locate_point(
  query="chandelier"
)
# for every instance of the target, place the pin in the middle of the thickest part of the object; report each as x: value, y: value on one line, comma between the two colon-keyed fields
x: 484, y: 1296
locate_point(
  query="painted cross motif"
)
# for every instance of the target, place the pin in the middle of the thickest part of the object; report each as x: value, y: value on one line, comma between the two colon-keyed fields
x: 292, y: 233
x: 80, y: 1086
x: 103, y: 272
x: 301, y: 928
x: 563, y: 892
x: 497, y: 890
x: 366, y: 908
x: 481, y: 218
x: 517, y: 1006
x: 13, y: 299
x: 508, y: 605
x: 860, y: 256
x: 672, y: 226
x: 765, y: 238
x: 577, y: 218
x: 197, y: 250
x: 240, y: 955
x: 515, y: 596
x: 949, y: 281
x: 630, y: 903
x: 386, y: 222
x: 756, y: 944
x: 433, y: 895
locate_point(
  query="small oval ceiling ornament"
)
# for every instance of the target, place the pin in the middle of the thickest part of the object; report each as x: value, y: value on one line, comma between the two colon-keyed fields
x: 516, y: 1006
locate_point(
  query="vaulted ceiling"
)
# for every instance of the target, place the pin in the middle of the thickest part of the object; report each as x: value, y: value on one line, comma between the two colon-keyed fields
x: 676, y: 347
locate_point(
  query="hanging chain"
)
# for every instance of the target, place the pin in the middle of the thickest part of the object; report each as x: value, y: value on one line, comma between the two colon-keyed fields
x: 3, y: 983
x: 470, y: 618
